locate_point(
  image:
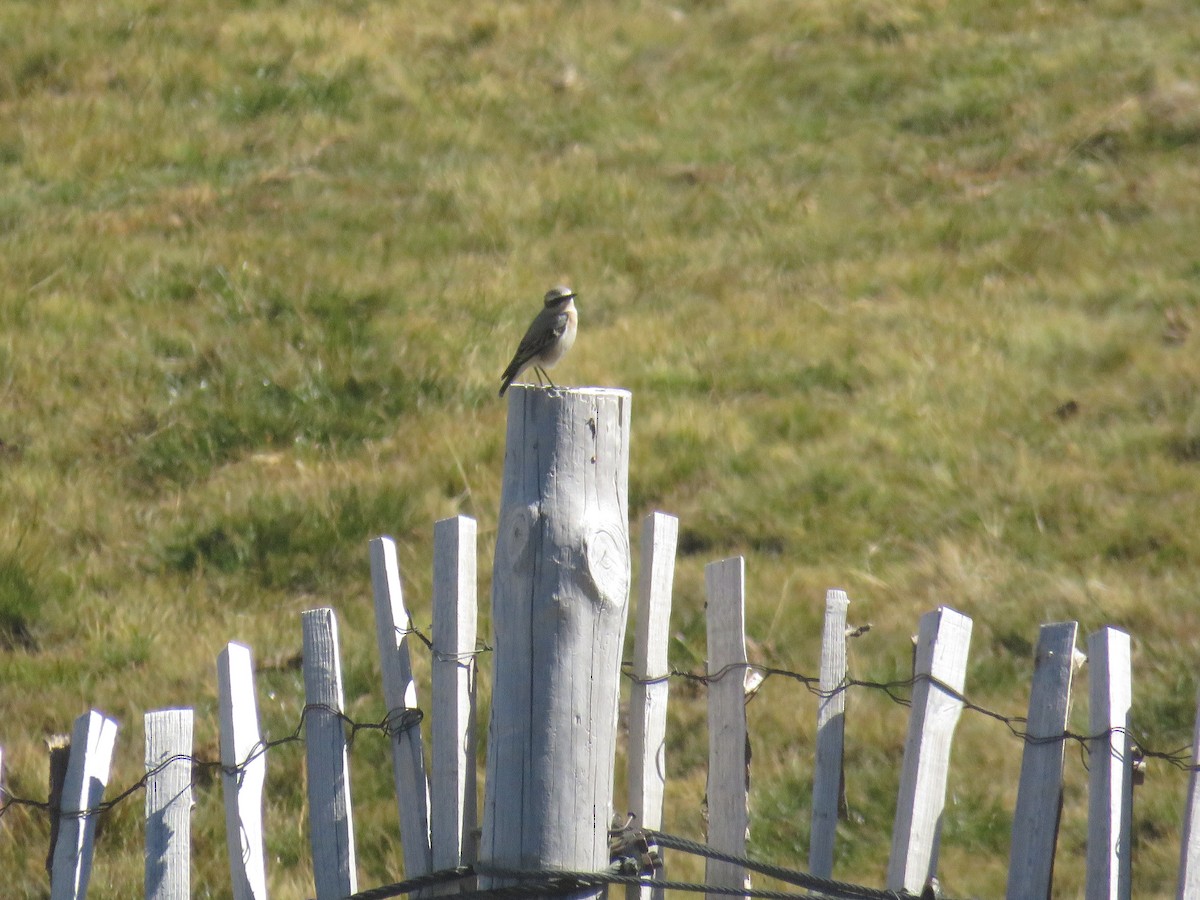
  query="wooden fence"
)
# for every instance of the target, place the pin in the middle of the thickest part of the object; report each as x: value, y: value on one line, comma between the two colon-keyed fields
x: 438, y: 835
x: 437, y: 806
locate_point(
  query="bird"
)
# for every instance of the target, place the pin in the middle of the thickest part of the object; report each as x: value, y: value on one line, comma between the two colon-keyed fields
x: 549, y: 336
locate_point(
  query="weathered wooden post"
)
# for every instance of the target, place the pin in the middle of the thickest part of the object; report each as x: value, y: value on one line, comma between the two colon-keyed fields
x: 649, y: 694
x: 728, y: 788
x: 1189, y: 853
x: 560, y: 589
x: 244, y: 772
x: 831, y: 733
x: 168, y: 804
x: 92, y: 741
x: 1040, y: 794
x: 943, y: 642
x: 1110, y: 767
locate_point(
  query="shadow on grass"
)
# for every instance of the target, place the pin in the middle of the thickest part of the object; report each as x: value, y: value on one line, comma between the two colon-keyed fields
x: 288, y: 543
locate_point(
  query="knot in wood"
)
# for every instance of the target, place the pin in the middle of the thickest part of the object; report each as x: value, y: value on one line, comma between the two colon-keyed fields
x: 606, y: 558
x: 517, y: 529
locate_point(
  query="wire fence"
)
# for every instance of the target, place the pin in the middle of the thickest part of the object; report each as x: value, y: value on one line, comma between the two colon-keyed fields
x: 394, y: 723
x: 1179, y: 757
x: 398, y: 721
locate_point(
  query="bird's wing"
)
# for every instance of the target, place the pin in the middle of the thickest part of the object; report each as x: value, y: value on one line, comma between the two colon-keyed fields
x: 547, y: 328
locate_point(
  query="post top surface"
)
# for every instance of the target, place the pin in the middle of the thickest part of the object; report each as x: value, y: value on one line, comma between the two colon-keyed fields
x: 576, y: 391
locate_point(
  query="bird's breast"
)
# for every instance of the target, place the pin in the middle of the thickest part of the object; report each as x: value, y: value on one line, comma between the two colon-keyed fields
x: 564, y: 343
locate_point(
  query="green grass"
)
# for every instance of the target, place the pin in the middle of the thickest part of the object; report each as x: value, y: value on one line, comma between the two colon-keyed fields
x: 908, y: 295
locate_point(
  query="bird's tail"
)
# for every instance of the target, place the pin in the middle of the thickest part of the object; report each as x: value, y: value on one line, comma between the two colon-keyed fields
x: 507, y: 378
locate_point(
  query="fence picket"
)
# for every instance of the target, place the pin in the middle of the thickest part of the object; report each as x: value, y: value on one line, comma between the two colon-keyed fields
x: 168, y: 804
x: 943, y: 643
x: 59, y: 747
x: 392, y: 627
x: 1039, y: 794
x: 1189, y: 853
x: 648, y: 701
x: 1110, y: 766
x: 453, y: 812
x: 331, y: 826
x: 93, y: 739
x: 831, y: 727
x: 728, y: 757
x: 242, y: 748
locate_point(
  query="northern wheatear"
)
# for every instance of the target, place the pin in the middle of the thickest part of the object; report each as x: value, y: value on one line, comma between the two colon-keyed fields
x: 549, y: 336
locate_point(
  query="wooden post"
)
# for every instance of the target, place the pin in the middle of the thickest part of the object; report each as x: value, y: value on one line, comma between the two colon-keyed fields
x: 59, y: 746
x: 168, y: 804
x: 392, y: 627
x: 92, y: 742
x: 831, y: 731
x: 331, y: 825
x: 244, y: 771
x: 560, y: 589
x: 728, y: 748
x: 941, y: 653
x: 453, y: 812
x: 1110, y: 766
x: 648, y: 699
x: 1189, y: 853
x: 1039, y: 796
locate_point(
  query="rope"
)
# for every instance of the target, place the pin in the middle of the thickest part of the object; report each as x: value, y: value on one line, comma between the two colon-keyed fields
x: 563, y: 881
x: 408, y: 886
x: 567, y: 881
x: 840, y: 889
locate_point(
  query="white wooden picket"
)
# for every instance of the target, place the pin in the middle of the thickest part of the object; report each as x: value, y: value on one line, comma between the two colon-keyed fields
x: 728, y: 759
x: 943, y: 642
x: 453, y: 810
x: 168, y: 804
x: 244, y: 772
x: 1189, y: 855
x: 392, y: 631
x: 648, y: 698
x: 1110, y: 767
x: 331, y: 825
x: 1040, y: 792
x: 93, y: 740
x: 831, y: 729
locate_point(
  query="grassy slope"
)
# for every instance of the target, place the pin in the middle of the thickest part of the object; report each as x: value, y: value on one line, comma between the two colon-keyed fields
x: 264, y: 262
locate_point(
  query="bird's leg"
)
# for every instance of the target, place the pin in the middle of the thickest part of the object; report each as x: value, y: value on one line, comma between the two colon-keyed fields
x: 553, y: 386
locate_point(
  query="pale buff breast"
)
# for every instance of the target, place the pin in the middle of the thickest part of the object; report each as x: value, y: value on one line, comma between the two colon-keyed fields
x: 555, y: 352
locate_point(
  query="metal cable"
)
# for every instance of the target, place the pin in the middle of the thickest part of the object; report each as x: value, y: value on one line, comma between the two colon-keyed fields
x: 827, y: 886
x: 561, y: 881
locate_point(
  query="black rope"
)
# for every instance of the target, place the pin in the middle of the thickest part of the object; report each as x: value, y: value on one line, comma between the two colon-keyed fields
x: 416, y: 883
x: 561, y: 881
x: 826, y: 886
x: 568, y: 881
x: 533, y: 882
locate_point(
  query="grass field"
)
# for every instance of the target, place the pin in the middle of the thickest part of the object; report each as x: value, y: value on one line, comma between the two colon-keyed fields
x: 907, y: 293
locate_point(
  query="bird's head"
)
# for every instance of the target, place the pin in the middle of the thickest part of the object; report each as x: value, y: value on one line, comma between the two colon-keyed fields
x: 557, y: 296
